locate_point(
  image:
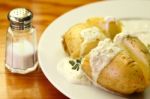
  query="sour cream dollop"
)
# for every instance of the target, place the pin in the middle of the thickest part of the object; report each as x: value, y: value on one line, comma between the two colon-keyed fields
x: 73, y: 76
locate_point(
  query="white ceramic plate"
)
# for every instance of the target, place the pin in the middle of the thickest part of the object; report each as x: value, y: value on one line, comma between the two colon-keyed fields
x: 50, y: 50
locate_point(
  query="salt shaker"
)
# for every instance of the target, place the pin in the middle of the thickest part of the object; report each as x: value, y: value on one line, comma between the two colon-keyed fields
x: 21, y: 44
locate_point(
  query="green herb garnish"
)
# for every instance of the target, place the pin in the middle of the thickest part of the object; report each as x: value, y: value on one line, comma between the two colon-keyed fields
x: 76, y: 67
x: 75, y: 63
x: 72, y: 62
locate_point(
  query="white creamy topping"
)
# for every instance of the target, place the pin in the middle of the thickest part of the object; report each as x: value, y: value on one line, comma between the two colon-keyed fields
x: 73, y: 76
x: 89, y: 35
x: 101, y: 56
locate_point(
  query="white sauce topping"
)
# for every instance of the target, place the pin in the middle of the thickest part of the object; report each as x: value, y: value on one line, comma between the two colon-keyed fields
x: 101, y: 56
x: 73, y: 76
x: 89, y: 35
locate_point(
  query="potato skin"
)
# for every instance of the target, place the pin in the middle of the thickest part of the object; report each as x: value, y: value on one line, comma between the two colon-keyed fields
x: 122, y: 75
x: 139, y: 53
x: 72, y: 40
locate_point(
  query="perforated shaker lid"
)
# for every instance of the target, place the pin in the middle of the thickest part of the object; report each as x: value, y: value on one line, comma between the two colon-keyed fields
x: 20, y: 17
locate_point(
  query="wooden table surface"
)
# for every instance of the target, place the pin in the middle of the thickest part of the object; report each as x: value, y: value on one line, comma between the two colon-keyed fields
x: 33, y: 85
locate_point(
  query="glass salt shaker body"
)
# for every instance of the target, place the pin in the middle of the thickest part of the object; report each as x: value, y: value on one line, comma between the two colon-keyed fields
x: 21, y: 42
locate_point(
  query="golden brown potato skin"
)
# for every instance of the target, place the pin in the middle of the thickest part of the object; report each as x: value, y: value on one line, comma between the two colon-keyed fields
x: 122, y: 75
x: 72, y: 39
x: 140, y: 54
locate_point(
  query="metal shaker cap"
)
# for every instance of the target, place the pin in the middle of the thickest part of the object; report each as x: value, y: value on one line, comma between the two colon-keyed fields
x: 20, y: 18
